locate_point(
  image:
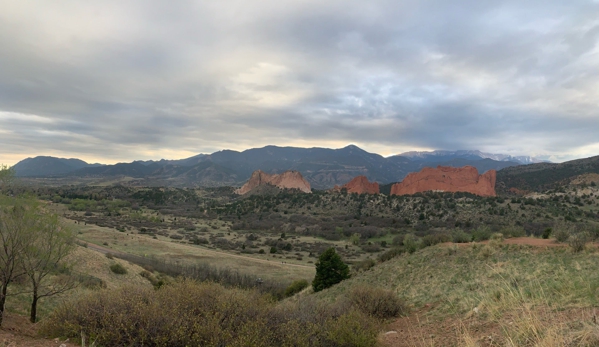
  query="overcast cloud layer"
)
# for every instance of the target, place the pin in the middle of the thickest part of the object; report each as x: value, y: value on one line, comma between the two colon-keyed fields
x: 111, y: 81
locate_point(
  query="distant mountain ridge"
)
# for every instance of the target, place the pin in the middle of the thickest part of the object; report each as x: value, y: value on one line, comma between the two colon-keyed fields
x: 323, y: 168
x: 541, y: 176
x: 49, y: 166
x: 471, y: 154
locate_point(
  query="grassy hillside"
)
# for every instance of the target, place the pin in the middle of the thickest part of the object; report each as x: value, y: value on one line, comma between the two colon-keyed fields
x: 514, y: 293
x: 542, y: 176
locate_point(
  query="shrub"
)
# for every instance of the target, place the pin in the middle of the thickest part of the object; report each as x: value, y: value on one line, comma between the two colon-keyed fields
x: 487, y: 251
x: 496, y: 237
x: 513, y: 231
x: 482, y: 233
x: 200, y: 241
x: 364, y: 265
x: 561, y: 233
x: 410, y: 243
x: 377, y: 302
x: 390, y: 254
x: 296, y: 287
x: 460, y: 236
x: 547, y: 233
x: 118, y: 269
x: 578, y: 241
x: 431, y: 240
x: 453, y: 249
x: 330, y: 270
x: 90, y: 282
x: 188, y: 313
x: 594, y: 234
x: 372, y: 248
x: 496, y: 240
x: 397, y: 240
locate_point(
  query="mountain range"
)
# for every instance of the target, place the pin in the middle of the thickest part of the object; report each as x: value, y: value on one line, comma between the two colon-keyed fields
x: 322, y: 167
x: 465, y: 154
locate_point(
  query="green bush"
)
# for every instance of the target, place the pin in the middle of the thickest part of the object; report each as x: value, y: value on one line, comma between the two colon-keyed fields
x: 118, y: 269
x: 390, y: 254
x: 482, y: 233
x: 188, y: 313
x: 513, y: 231
x: 411, y: 243
x: 296, y: 287
x: 547, y: 233
x: 433, y: 239
x: 377, y: 302
x: 330, y: 270
x: 460, y: 236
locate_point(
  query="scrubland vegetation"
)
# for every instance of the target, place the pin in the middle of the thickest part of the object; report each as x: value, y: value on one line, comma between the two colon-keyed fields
x: 211, y: 268
x: 188, y: 313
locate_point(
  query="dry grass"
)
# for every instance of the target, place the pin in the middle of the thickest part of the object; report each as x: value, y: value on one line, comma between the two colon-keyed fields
x: 490, y: 295
x: 260, y: 266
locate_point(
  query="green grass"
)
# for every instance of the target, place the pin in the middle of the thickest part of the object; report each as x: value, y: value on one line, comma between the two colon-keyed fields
x: 456, y: 283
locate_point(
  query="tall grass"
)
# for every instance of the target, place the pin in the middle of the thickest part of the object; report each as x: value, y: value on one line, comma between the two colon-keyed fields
x: 207, y: 273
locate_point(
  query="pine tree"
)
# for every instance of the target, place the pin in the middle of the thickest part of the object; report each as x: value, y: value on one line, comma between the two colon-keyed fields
x: 330, y: 270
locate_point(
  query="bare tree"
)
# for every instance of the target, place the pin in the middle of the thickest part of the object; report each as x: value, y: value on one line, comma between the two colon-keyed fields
x: 16, y: 225
x: 45, y: 256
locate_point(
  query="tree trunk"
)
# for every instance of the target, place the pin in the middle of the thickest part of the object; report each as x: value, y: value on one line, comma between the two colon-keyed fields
x: 2, y: 302
x: 33, y: 315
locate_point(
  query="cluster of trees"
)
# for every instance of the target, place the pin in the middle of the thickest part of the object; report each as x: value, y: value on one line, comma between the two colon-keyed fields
x: 34, y: 245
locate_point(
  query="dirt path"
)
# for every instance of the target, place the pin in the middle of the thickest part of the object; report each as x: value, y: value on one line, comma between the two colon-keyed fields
x: 17, y: 331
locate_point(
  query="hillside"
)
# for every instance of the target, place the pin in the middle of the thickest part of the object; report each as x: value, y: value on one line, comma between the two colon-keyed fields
x: 488, y: 295
x: 542, y: 176
x: 49, y: 166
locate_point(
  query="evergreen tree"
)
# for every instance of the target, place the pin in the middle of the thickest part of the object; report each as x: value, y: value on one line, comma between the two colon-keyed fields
x: 330, y: 270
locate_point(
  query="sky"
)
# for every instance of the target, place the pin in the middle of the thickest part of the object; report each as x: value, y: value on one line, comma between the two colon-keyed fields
x: 116, y: 81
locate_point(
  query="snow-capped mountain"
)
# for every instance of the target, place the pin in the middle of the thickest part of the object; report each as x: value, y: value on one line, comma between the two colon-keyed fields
x: 468, y: 154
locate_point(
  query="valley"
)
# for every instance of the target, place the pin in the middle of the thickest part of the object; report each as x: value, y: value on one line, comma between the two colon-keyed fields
x: 463, y: 265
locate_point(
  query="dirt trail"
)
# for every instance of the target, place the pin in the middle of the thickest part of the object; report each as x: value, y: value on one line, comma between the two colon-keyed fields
x: 17, y: 331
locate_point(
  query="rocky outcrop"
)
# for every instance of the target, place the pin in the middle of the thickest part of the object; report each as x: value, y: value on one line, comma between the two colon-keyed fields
x: 286, y: 180
x: 360, y: 185
x: 447, y: 179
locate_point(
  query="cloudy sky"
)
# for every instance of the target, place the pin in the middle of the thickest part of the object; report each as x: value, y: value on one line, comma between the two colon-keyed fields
x: 109, y: 81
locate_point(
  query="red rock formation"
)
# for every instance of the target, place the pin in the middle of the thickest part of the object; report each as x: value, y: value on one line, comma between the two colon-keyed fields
x: 286, y: 180
x: 447, y: 179
x: 360, y: 185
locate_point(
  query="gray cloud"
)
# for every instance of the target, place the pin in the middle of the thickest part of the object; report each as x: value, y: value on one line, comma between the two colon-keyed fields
x: 117, y: 81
